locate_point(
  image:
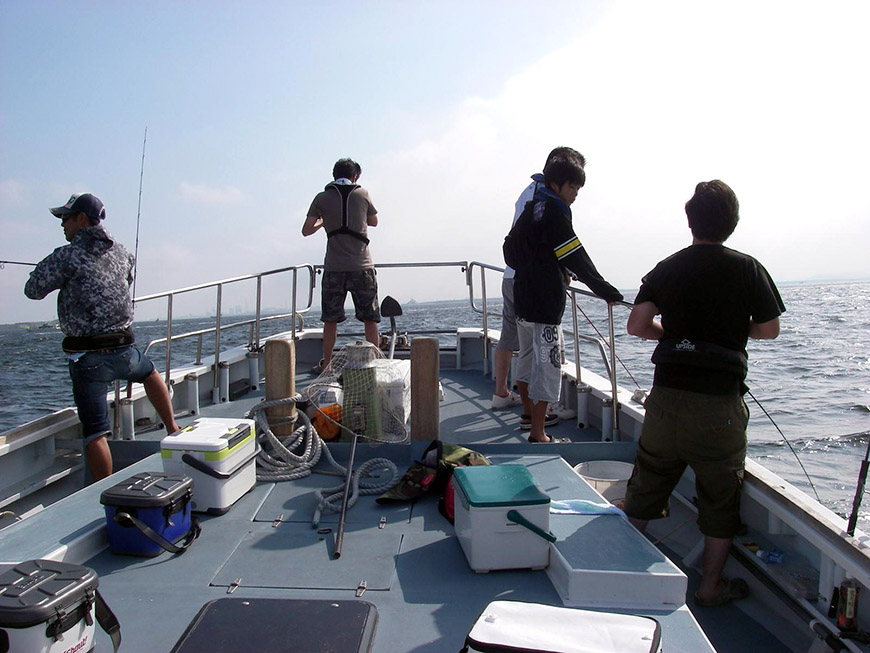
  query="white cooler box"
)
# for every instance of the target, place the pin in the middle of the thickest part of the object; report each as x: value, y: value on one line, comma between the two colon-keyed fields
x: 219, y: 455
x: 502, y: 518
x: 531, y: 627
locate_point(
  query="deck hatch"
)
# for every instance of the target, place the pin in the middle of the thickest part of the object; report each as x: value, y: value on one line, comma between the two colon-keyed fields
x: 297, y: 557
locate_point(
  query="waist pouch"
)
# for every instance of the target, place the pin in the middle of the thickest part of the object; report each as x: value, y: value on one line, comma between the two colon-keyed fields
x: 72, y: 344
x: 706, y: 355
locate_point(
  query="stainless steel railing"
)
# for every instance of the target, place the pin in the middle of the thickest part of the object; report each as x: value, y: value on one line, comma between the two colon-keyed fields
x: 254, y: 324
x: 471, y: 270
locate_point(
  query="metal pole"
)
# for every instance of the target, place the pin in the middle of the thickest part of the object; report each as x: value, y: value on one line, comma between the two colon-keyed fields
x: 613, y: 373
x: 168, y: 337
x: 215, y: 391
x: 257, y: 324
x: 576, y: 337
x: 293, y: 311
x: 339, y: 536
x: 485, y: 321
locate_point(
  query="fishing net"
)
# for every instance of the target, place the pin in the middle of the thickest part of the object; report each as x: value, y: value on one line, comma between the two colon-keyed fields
x: 361, y: 393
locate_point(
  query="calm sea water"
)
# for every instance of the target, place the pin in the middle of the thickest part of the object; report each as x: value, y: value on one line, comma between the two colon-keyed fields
x: 814, y: 380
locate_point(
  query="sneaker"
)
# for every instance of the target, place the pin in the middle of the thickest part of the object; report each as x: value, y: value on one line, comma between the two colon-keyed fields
x: 318, y: 369
x: 563, y: 411
x: 500, y: 403
x: 550, y: 420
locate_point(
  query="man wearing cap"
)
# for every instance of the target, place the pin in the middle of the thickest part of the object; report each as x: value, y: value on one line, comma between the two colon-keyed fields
x: 93, y: 274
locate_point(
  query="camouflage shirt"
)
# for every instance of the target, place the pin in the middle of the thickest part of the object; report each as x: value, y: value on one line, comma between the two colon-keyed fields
x: 93, y: 274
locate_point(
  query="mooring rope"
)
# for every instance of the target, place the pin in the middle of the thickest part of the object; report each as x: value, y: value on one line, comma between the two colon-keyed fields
x: 277, y: 462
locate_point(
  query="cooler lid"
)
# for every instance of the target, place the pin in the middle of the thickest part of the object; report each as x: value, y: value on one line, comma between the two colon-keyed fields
x: 147, y: 490
x: 490, y: 486
x: 209, y: 434
x: 32, y: 592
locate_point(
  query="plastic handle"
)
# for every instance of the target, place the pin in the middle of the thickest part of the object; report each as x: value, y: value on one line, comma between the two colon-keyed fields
x: 205, y: 469
x: 517, y: 518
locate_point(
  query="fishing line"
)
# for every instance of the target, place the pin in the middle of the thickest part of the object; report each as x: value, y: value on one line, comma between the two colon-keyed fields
x: 595, y: 328
x: 785, y: 439
x: 138, y: 214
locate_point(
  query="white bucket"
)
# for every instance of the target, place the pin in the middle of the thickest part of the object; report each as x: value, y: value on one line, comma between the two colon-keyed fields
x: 608, y: 477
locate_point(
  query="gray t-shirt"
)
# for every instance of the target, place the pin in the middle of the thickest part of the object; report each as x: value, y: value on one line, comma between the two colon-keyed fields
x: 344, y: 252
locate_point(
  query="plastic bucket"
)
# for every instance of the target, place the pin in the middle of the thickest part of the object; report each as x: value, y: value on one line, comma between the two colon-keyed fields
x: 608, y: 477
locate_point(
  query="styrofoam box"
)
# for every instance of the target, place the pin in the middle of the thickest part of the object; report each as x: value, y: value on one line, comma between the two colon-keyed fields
x: 393, y: 378
x: 517, y: 626
x: 219, y: 455
x: 483, y: 496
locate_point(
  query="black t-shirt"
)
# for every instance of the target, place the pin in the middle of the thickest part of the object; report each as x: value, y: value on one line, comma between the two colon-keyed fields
x: 708, y: 294
x: 548, y: 249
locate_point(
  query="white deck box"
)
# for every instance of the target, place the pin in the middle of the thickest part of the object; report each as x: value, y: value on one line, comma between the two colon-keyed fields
x: 219, y: 455
x: 510, y: 626
x: 502, y: 518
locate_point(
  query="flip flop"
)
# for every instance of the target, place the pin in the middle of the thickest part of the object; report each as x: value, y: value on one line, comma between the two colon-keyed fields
x: 552, y: 440
x: 526, y: 421
x: 730, y: 589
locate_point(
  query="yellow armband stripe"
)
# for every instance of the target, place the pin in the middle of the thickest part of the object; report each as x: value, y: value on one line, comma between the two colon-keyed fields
x: 567, y: 248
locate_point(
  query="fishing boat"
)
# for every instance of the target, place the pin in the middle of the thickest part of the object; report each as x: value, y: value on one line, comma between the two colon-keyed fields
x: 399, y: 576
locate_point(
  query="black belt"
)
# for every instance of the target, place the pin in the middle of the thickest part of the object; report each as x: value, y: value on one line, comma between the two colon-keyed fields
x: 102, y: 344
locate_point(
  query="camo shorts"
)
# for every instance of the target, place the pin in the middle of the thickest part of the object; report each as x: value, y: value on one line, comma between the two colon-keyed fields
x: 539, y: 362
x: 363, y: 288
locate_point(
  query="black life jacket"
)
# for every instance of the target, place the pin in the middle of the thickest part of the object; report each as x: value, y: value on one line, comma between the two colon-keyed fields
x: 344, y: 191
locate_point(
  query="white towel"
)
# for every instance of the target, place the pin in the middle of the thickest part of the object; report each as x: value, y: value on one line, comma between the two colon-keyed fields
x: 583, y: 507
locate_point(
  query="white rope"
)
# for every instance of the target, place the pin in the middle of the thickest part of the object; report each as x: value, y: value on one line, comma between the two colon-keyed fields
x: 278, y: 462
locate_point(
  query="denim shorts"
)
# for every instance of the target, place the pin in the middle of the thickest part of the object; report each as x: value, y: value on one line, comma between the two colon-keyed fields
x: 91, y: 374
x: 363, y: 288
x: 704, y: 432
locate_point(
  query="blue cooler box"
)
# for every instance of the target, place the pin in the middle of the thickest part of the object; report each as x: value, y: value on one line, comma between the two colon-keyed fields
x: 160, y: 501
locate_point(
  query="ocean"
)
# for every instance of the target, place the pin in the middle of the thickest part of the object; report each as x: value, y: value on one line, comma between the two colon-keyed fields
x: 813, y: 380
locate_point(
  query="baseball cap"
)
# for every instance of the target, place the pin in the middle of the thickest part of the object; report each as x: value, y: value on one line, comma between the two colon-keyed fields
x: 81, y: 202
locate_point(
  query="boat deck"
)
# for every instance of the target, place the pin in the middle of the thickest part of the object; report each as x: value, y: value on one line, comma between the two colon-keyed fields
x: 414, y: 569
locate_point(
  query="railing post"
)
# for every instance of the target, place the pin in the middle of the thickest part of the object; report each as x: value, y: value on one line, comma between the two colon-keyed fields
x: 293, y: 306
x: 116, y: 426
x: 576, y: 326
x: 215, y: 390
x: 485, y: 320
x: 257, y: 321
x: 614, y: 386
x: 168, y: 338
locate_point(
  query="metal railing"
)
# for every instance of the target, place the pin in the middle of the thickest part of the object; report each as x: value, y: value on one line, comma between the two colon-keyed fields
x: 254, y: 338
x: 609, y: 365
x: 470, y: 270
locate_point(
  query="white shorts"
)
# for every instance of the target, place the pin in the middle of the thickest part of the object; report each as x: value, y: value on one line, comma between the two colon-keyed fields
x: 540, y: 359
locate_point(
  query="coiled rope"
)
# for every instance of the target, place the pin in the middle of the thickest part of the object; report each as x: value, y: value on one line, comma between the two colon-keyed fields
x: 278, y: 462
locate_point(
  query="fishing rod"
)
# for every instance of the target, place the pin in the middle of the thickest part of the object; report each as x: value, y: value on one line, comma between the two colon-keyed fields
x: 3, y: 264
x: 785, y: 439
x: 138, y: 215
x: 859, y: 491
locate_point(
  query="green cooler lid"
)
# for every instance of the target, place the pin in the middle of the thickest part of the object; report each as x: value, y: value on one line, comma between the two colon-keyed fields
x: 491, y: 486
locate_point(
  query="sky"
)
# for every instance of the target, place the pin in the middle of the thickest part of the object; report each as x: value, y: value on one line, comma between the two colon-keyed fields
x: 449, y: 107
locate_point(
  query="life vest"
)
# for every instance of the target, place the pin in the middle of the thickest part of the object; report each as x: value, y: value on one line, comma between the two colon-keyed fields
x: 706, y: 355
x: 344, y: 191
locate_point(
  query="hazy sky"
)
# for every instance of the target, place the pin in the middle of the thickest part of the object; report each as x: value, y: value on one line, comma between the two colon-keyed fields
x: 449, y: 107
